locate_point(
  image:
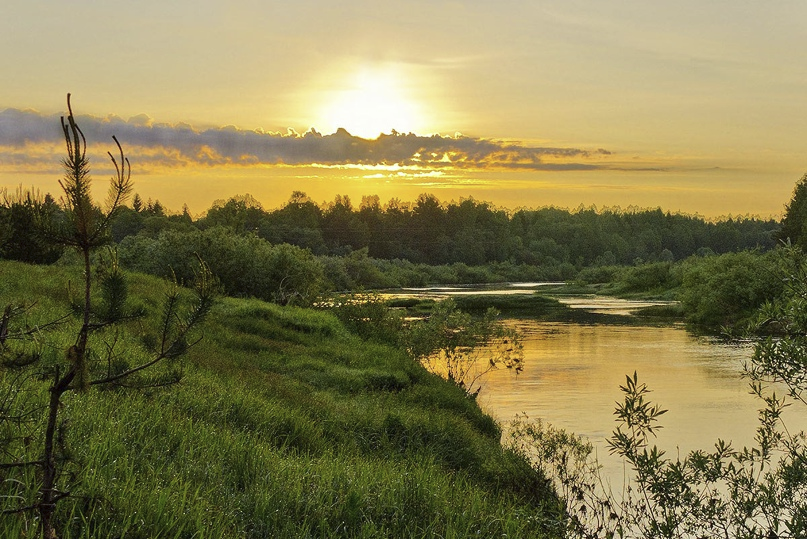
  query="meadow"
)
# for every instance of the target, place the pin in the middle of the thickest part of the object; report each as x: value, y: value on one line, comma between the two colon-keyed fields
x: 283, y: 424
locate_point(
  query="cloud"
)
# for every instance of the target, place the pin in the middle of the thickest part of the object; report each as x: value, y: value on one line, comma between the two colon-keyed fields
x: 158, y: 144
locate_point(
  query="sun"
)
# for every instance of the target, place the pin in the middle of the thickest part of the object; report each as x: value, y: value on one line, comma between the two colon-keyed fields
x: 372, y: 102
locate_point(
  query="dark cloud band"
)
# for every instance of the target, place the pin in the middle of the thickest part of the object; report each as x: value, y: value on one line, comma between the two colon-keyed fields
x: 181, y: 144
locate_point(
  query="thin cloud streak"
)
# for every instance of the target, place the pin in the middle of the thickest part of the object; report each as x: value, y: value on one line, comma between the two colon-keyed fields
x: 29, y: 138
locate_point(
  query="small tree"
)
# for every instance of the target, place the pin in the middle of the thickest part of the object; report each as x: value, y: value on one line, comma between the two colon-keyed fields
x: 448, y: 342
x: 85, y: 228
x: 462, y: 349
x: 370, y: 317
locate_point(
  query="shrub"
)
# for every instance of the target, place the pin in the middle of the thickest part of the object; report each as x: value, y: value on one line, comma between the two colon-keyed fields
x: 246, y: 265
x: 726, y: 290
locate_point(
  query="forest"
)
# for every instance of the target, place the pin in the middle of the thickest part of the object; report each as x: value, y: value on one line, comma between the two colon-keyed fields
x: 469, y: 232
x: 430, y: 232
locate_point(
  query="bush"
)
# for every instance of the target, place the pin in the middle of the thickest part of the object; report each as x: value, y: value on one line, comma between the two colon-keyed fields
x: 649, y: 277
x: 246, y: 265
x: 370, y: 318
x: 726, y: 290
x: 599, y: 274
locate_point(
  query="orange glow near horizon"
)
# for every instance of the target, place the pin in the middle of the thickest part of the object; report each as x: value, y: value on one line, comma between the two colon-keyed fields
x: 712, y: 198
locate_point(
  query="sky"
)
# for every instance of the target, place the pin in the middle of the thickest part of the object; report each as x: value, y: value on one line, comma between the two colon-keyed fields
x: 691, y: 106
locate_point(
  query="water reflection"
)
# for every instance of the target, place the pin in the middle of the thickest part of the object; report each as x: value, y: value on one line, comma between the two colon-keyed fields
x: 573, y: 372
x: 606, y: 305
x: 441, y: 292
x: 584, y: 302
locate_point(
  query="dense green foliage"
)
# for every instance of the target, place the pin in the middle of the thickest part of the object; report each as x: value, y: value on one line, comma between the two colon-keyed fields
x: 245, y: 265
x: 427, y: 242
x: 656, y: 279
x: 717, y: 292
x: 21, y: 237
x: 469, y: 232
x: 475, y: 233
x: 284, y: 425
x: 727, y: 290
x: 292, y: 254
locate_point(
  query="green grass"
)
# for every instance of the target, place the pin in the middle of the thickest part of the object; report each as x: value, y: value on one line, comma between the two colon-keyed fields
x: 284, y: 425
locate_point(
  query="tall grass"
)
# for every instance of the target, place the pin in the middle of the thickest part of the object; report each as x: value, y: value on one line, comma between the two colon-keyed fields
x: 284, y: 425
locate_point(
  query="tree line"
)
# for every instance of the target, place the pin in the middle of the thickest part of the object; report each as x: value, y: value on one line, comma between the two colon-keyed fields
x: 426, y: 231
x: 472, y: 232
x: 294, y: 253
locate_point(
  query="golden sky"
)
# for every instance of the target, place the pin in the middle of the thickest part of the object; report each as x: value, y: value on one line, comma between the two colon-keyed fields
x: 689, y: 106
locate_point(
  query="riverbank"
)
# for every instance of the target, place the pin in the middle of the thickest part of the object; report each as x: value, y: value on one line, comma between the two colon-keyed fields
x: 284, y: 425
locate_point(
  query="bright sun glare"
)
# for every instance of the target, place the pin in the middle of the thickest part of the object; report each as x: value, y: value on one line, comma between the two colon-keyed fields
x: 373, y: 102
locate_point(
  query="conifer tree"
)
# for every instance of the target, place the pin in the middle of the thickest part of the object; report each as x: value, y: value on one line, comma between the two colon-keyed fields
x: 794, y: 224
x: 85, y: 228
x: 137, y: 203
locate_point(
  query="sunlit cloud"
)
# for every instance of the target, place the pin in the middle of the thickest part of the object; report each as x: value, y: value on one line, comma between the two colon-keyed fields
x: 30, y: 140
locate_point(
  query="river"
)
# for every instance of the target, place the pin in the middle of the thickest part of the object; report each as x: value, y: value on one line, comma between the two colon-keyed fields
x: 572, y: 375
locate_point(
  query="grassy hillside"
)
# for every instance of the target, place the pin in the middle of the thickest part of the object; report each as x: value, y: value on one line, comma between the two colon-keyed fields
x: 284, y: 425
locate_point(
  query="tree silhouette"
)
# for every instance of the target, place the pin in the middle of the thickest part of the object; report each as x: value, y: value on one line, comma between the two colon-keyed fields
x: 793, y: 224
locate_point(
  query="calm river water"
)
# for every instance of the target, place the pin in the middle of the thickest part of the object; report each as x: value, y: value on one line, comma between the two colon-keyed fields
x: 573, y: 372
